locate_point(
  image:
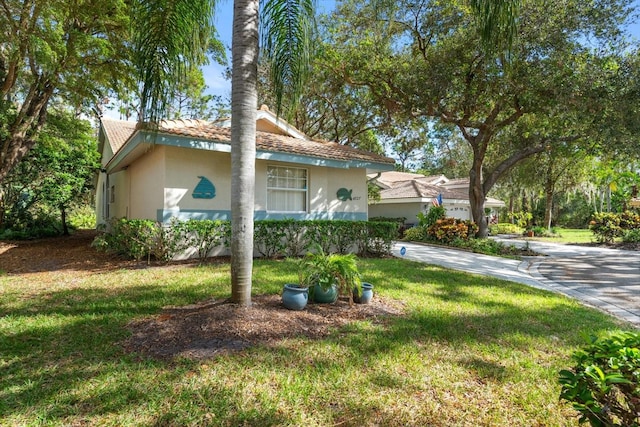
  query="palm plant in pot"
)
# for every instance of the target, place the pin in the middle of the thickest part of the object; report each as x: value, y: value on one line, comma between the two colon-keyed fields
x: 329, y: 275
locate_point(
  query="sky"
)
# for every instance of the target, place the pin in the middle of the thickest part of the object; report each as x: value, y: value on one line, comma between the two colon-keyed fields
x: 213, y: 73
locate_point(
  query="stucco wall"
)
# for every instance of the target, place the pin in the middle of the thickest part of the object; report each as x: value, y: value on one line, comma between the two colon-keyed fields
x: 103, y: 186
x: 184, y: 167
x: 396, y: 210
x: 160, y: 185
x: 119, y: 185
x: 323, y: 185
x: 354, y: 181
x: 147, y: 177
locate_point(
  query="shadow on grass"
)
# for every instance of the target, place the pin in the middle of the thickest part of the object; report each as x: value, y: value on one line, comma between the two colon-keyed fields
x: 61, y: 355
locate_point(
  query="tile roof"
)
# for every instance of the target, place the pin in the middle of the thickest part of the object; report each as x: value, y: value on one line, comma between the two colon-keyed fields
x: 427, y: 187
x: 419, y: 189
x: 264, y: 141
x: 457, y: 182
x: 117, y: 132
x: 391, y: 177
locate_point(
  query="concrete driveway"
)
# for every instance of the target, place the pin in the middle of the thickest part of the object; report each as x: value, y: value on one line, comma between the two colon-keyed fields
x: 607, y: 279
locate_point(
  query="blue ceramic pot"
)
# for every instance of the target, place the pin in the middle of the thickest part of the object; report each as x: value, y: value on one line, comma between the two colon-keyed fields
x: 367, y: 294
x: 294, y: 297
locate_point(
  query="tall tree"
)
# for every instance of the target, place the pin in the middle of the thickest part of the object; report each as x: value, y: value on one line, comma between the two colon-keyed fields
x: 72, y: 51
x: 161, y: 55
x: 425, y: 59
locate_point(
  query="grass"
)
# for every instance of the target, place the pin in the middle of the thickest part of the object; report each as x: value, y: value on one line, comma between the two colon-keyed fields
x: 470, y: 351
x: 571, y: 235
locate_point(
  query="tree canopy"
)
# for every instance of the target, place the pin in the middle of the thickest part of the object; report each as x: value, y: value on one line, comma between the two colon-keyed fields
x: 70, y: 51
x: 57, y: 173
x: 426, y: 60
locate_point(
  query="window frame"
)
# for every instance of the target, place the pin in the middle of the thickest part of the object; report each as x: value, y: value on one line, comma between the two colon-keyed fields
x: 304, y: 190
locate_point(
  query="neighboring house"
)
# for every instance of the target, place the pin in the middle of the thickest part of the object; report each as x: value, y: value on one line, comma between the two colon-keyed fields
x: 184, y: 171
x: 405, y: 195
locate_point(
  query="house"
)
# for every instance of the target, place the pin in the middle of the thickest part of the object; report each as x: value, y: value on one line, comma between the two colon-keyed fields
x: 183, y: 170
x: 404, y: 194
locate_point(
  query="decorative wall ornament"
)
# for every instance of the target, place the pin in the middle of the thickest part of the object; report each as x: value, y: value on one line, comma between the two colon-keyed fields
x: 343, y: 194
x: 204, y: 190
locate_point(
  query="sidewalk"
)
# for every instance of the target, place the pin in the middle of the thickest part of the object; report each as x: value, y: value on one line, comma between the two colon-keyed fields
x: 606, y: 279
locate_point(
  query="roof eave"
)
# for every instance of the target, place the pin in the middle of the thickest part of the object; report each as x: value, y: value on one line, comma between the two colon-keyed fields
x: 139, y: 144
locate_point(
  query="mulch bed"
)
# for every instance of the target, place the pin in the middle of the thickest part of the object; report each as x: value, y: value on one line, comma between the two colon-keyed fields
x: 211, y: 328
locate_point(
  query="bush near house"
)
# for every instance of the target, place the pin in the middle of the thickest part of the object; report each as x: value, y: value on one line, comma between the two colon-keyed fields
x: 447, y: 230
x: 607, y: 226
x: 139, y: 239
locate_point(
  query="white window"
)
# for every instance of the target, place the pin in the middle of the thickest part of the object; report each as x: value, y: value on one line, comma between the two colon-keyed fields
x: 286, y: 189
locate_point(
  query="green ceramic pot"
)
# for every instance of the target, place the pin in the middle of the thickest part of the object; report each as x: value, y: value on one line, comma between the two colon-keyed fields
x: 323, y: 296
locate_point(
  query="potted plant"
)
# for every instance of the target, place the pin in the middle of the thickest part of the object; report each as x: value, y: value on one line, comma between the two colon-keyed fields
x: 294, y: 296
x: 365, y: 293
x: 329, y: 275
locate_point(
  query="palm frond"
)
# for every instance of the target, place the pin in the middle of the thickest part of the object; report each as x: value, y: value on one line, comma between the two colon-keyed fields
x: 287, y: 33
x: 170, y: 37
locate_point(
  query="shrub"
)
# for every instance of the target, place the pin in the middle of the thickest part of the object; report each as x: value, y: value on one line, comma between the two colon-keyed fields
x: 434, y: 214
x: 202, y: 235
x: 543, y: 231
x: 273, y: 238
x: 345, y: 235
x: 631, y: 236
x: 486, y: 246
x: 268, y: 237
x: 448, y: 229
x: 286, y: 237
x: 604, y: 384
x: 505, y: 228
x: 629, y: 220
x: 82, y: 217
x: 34, y: 232
x: 138, y: 239
x: 606, y: 227
x: 399, y: 221
x: 416, y: 234
x: 521, y: 218
x: 296, y: 238
x: 377, y: 237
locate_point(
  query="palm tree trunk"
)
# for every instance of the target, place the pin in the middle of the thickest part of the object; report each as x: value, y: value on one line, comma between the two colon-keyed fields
x: 244, y: 100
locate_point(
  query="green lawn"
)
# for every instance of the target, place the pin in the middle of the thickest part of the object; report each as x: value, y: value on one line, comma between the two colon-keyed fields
x: 571, y: 235
x: 470, y: 351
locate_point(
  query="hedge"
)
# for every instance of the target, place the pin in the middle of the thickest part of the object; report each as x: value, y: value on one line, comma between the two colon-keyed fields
x: 140, y: 239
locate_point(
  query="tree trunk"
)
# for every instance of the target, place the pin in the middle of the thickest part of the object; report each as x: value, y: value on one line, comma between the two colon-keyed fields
x: 244, y: 103
x: 511, y: 203
x: 63, y: 218
x: 548, y: 208
x: 24, y: 129
x: 477, y: 198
